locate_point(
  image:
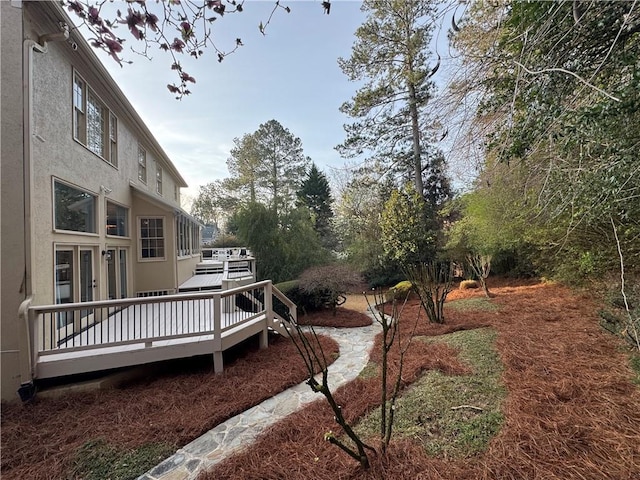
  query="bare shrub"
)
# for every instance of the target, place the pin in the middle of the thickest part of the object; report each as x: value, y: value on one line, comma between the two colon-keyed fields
x: 481, y: 266
x: 432, y: 281
x: 327, y: 285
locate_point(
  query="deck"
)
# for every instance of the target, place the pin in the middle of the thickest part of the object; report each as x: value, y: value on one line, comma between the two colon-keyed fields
x: 119, y: 333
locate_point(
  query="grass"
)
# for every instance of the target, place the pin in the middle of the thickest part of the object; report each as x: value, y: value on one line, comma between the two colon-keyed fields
x: 436, y: 411
x: 482, y: 304
x: 635, y: 366
x: 99, y: 460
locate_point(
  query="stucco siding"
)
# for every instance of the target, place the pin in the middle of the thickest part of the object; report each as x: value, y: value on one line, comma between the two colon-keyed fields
x: 42, y: 153
x: 12, y: 239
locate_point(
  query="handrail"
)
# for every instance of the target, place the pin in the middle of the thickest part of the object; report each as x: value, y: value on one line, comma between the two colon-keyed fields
x: 125, y: 302
x: 293, y: 309
x: 223, y: 318
x: 283, y: 298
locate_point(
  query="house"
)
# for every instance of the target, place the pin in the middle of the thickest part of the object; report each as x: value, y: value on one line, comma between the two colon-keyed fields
x: 90, y: 202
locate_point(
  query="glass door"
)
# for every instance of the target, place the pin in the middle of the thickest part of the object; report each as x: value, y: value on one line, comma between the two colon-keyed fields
x: 65, y: 287
x: 87, y: 285
x: 116, y: 259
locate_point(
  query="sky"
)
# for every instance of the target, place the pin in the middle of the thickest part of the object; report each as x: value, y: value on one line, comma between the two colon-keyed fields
x: 291, y: 74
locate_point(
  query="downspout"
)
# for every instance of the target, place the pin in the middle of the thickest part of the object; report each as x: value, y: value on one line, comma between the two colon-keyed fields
x: 27, y: 365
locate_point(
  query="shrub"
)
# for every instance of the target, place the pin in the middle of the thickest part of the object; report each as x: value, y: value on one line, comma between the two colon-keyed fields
x: 327, y: 285
x: 400, y: 291
x: 226, y: 240
x: 304, y: 302
x: 466, y: 284
x: 433, y: 281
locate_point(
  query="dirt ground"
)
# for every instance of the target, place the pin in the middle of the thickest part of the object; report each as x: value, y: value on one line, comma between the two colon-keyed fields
x: 571, y: 411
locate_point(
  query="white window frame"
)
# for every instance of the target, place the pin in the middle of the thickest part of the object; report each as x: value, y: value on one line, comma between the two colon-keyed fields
x: 142, y: 164
x: 127, y: 216
x: 158, y: 179
x: 82, y: 98
x: 141, y: 258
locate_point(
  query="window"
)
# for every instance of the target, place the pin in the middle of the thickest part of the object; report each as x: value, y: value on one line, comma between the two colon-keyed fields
x: 152, y: 238
x: 113, y: 139
x: 74, y: 209
x: 79, y: 125
x: 187, y: 237
x: 94, y: 125
x: 117, y: 220
x: 158, y: 179
x: 142, y: 164
x: 176, y: 193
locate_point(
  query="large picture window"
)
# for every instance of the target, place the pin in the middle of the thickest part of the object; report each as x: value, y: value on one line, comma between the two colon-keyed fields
x: 152, y: 238
x: 117, y: 220
x: 93, y: 124
x: 74, y: 209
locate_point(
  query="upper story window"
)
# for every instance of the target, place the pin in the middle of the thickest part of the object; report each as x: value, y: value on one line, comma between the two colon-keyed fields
x: 74, y: 209
x: 158, y: 179
x: 142, y: 164
x: 94, y: 125
x: 113, y: 139
x: 176, y: 193
x: 152, y: 238
x: 117, y: 220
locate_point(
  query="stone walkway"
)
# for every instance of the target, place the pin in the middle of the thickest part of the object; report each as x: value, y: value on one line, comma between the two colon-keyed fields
x: 238, y: 432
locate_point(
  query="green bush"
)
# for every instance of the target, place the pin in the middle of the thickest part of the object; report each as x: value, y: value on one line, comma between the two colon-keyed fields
x: 327, y: 285
x: 399, y: 291
x: 304, y: 302
x: 383, y: 275
x: 226, y: 240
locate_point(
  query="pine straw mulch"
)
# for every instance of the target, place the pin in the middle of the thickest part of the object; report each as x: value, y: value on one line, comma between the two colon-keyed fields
x: 571, y: 410
x: 176, y: 406
x: 342, y: 317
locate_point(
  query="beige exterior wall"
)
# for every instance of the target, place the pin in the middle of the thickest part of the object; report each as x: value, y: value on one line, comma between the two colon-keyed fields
x: 57, y: 157
x: 12, y: 234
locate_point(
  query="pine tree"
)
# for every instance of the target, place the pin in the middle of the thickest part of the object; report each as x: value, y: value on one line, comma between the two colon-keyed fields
x: 315, y: 194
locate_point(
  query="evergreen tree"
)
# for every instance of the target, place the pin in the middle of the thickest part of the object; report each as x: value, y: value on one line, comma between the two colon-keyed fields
x: 390, y: 55
x: 282, y: 164
x: 243, y: 166
x: 315, y: 194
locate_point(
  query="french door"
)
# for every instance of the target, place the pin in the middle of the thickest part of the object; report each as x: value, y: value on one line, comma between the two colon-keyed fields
x: 117, y: 284
x: 75, y: 281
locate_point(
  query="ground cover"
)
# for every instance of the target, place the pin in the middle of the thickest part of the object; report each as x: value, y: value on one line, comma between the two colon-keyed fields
x: 122, y: 432
x: 571, y: 412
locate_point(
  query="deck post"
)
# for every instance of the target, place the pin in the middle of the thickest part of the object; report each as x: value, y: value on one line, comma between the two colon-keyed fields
x: 217, y: 333
x: 268, y: 312
x: 28, y: 335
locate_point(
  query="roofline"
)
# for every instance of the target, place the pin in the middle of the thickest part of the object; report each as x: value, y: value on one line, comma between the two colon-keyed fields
x: 55, y: 9
x: 161, y: 202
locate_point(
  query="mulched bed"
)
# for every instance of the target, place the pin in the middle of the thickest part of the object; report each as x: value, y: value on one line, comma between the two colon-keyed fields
x: 571, y: 410
x: 186, y: 400
x: 341, y: 318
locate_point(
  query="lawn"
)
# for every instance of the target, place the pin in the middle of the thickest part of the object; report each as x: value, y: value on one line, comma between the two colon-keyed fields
x: 524, y: 385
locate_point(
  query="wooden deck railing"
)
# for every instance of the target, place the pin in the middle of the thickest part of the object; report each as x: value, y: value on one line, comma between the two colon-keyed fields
x: 134, y: 325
